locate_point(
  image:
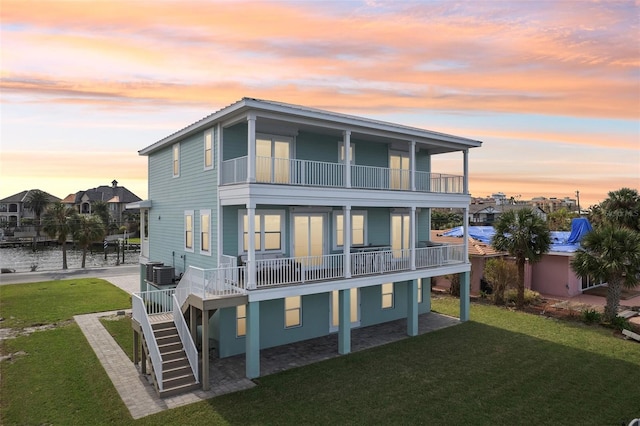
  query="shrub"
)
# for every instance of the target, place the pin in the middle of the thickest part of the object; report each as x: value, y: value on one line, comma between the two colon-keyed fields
x: 454, y: 288
x: 591, y: 316
x: 500, y: 275
x: 620, y: 323
x: 530, y: 296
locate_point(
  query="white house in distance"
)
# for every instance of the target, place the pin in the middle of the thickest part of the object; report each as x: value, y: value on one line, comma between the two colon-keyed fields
x: 286, y: 223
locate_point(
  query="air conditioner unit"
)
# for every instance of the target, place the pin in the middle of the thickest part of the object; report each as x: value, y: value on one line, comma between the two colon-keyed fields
x: 163, y: 275
x: 149, y: 270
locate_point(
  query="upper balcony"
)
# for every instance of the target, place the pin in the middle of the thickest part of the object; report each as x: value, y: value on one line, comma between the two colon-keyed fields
x: 298, y: 172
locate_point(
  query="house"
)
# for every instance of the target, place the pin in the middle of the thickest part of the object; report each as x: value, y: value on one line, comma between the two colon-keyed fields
x: 13, y: 211
x: 285, y: 223
x: 552, y: 275
x: 487, y: 212
x: 479, y: 252
x: 116, y: 197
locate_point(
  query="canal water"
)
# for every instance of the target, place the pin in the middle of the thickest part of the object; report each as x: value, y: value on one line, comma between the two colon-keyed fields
x: 25, y: 259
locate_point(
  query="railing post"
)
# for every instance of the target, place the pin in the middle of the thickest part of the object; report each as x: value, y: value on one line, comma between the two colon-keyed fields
x: 346, y: 230
x: 412, y: 237
x: 412, y: 166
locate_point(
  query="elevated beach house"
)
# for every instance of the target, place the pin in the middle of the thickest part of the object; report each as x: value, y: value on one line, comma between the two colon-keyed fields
x: 269, y: 223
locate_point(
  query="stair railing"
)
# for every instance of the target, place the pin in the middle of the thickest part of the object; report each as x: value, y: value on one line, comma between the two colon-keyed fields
x: 185, y: 336
x: 139, y: 313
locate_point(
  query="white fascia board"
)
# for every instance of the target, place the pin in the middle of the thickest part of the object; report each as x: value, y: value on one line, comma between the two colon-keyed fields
x: 142, y: 204
x: 359, y: 282
x: 300, y: 195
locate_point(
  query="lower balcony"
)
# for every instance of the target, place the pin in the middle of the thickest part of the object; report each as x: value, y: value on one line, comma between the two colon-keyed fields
x: 231, y: 280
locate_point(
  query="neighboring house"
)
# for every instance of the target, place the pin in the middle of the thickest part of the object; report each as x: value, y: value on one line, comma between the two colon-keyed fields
x: 116, y: 197
x: 287, y: 223
x: 486, y: 213
x: 479, y: 252
x: 552, y: 275
x: 13, y: 210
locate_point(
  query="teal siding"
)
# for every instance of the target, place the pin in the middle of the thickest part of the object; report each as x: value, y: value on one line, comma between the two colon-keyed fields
x: 195, y: 189
x: 371, y: 154
x: 310, y: 146
x: 379, y: 226
x: 423, y: 232
x: 422, y: 161
x: 230, y: 228
x: 235, y: 141
x: 315, y: 323
x: 315, y: 318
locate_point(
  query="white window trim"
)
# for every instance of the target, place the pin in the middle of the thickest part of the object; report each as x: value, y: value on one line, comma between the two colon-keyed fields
x: 212, y: 134
x: 261, y: 213
x: 203, y: 213
x: 176, y: 146
x: 382, y: 294
x: 402, y: 214
x: 334, y: 237
x: 420, y: 288
x: 184, y: 232
x: 299, y: 309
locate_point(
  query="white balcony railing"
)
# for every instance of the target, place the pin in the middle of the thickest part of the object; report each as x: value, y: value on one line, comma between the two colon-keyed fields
x: 298, y: 269
x: 325, y: 174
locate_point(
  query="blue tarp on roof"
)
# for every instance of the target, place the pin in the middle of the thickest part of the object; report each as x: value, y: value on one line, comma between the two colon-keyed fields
x: 561, y: 241
x: 579, y: 227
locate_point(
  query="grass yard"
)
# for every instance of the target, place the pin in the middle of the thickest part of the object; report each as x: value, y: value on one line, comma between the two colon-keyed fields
x: 503, y: 367
x: 25, y: 305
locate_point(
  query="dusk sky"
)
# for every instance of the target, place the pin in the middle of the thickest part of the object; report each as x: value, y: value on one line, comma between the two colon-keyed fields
x: 552, y: 88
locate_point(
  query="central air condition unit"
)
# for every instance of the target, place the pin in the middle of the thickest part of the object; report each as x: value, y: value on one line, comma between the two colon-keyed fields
x: 149, y: 270
x: 163, y: 275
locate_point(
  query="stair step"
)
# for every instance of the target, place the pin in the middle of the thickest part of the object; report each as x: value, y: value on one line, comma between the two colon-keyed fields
x: 169, y: 347
x: 178, y: 380
x: 172, y: 355
x: 178, y: 389
x: 179, y: 362
x: 177, y: 372
x: 163, y: 332
x: 163, y: 340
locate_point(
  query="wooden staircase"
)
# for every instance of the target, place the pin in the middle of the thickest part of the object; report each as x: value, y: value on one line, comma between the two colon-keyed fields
x: 177, y: 376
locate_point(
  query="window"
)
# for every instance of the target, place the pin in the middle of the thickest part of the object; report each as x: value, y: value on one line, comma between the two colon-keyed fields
x: 358, y: 231
x: 241, y: 320
x: 420, y: 290
x: 208, y: 150
x: 268, y: 231
x: 292, y: 311
x: 205, y: 233
x: 176, y: 160
x: 188, y: 230
x: 352, y: 151
x: 272, y: 159
x: 387, y: 295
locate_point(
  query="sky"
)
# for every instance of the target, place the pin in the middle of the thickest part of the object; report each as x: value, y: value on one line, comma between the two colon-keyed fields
x: 552, y: 88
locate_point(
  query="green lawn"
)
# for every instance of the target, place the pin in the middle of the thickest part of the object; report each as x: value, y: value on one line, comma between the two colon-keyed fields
x: 24, y: 305
x: 501, y: 368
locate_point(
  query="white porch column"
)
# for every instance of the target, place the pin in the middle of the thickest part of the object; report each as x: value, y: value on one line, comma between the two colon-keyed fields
x: 465, y: 185
x: 251, y: 148
x: 412, y: 166
x: 347, y: 158
x: 465, y: 227
x: 412, y: 237
x: 346, y: 239
x: 251, y: 250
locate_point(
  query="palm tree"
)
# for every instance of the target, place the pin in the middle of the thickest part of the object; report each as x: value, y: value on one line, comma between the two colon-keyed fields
x: 610, y: 254
x: 623, y: 208
x: 59, y: 222
x: 101, y: 209
x: 89, y: 230
x: 37, y: 201
x: 524, y: 235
